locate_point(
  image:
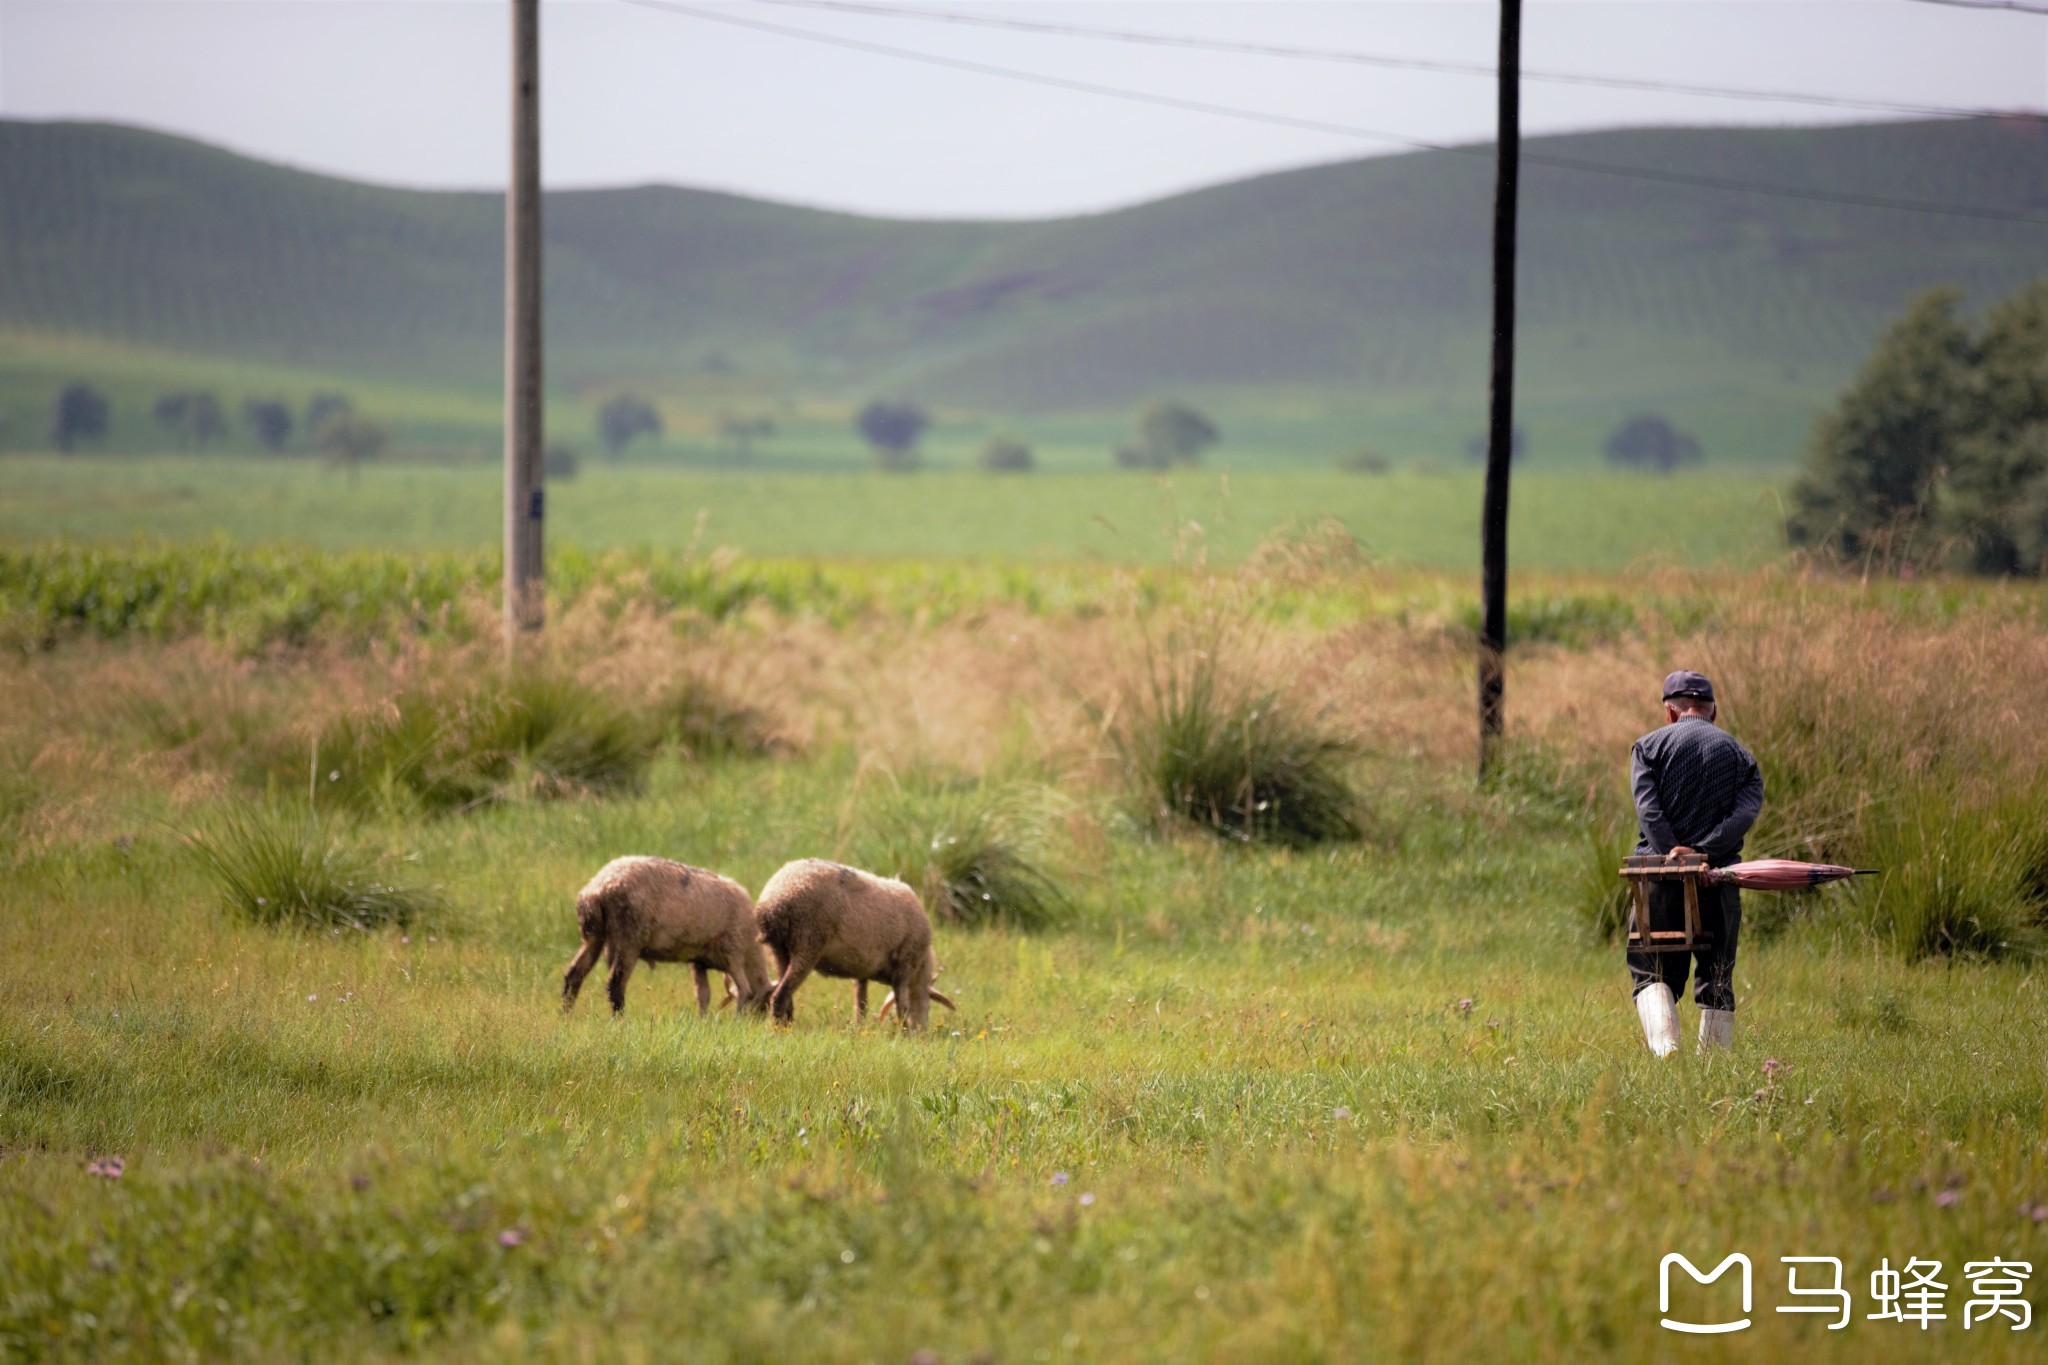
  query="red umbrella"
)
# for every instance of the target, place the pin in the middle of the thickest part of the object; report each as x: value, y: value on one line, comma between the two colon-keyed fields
x: 1782, y: 874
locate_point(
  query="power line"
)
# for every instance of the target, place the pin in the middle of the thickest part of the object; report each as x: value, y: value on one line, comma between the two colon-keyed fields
x: 2013, y: 5
x: 1319, y: 54
x: 1849, y: 198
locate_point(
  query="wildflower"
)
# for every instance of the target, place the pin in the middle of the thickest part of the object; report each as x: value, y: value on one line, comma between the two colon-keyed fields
x: 1465, y: 1005
x: 1059, y: 1177
x: 846, y: 1256
x: 107, y: 1168
x: 1340, y: 1113
x: 2041, y: 1213
x: 1087, y: 1199
x: 359, y: 1183
x: 311, y: 999
x: 511, y: 1237
x: 1773, y: 1067
x: 1947, y: 1198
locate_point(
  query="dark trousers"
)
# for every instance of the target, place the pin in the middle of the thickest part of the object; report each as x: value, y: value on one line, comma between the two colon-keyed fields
x: 1713, y: 968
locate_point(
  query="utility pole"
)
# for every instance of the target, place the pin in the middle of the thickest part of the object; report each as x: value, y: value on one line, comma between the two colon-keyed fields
x: 1500, y: 427
x: 525, y: 493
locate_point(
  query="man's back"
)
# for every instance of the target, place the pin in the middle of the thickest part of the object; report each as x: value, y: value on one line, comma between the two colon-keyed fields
x: 1696, y: 787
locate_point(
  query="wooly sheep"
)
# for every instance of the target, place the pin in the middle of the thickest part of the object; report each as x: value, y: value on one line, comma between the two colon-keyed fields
x: 654, y: 910
x: 818, y: 916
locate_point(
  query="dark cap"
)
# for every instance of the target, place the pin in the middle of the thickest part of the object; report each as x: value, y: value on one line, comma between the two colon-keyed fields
x: 1686, y: 683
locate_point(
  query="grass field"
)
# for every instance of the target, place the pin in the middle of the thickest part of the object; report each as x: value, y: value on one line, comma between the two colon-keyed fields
x: 1560, y: 522
x: 1375, y: 1099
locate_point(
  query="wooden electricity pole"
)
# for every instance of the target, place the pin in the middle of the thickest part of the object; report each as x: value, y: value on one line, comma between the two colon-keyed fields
x: 1500, y: 427
x: 525, y: 494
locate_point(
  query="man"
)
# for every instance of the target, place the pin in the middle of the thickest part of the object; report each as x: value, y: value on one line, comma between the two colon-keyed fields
x: 1697, y: 791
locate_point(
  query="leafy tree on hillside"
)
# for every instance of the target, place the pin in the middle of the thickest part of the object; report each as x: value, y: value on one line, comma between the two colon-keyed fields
x: 624, y: 418
x: 1007, y: 455
x: 271, y: 420
x: 81, y: 414
x: 1996, y: 498
x: 1939, y: 446
x: 1647, y: 441
x: 1518, y: 447
x: 1170, y: 433
x: 194, y: 417
x: 348, y: 440
x: 892, y: 430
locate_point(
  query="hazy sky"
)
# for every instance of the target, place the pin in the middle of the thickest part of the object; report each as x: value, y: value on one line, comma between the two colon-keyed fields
x: 412, y: 91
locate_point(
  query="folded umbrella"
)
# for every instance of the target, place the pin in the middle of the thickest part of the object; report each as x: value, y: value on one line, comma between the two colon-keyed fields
x: 1782, y: 874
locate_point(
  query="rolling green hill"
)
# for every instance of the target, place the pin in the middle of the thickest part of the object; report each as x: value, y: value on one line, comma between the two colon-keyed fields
x: 1311, y: 309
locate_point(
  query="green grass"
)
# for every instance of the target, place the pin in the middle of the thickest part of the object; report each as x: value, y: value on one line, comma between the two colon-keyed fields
x: 1234, y: 1109
x: 1561, y: 522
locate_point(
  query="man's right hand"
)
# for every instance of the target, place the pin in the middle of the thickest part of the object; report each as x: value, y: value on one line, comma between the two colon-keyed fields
x: 1681, y: 852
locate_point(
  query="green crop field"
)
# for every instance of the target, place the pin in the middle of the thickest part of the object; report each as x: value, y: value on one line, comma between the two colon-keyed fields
x: 1561, y: 522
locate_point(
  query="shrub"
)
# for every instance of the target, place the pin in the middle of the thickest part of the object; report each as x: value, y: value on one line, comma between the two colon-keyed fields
x: 1007, y: 455
x: 1248, y: 762
x: 276, y: 870
x: 975, y: 855
x: 1364, y: 460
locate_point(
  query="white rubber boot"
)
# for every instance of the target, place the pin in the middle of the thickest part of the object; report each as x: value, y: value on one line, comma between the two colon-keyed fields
x: 1660, y: 1018
x: 1717, y: 1029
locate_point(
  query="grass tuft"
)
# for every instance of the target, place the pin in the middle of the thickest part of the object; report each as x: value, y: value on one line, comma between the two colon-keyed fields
x: 540, y: 736
x: 975, y: 854
x: 704, y: 721
x: 1205, y: 746
x: 1958, y: 881
x: 285, y: 871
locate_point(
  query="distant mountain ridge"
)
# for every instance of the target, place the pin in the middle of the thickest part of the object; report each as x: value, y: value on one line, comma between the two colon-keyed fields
x: 1360, y: 279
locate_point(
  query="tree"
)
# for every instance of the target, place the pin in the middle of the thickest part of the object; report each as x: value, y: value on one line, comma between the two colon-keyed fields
x: 744, y: 431
x: 1518, y: 447
x: 1647, y: 441
x: 892, y: 430
x: 1939, y: 447
x: 1007, y: 455
x: 194, y: 417
x: 81, y: 414
x: 348, y: 440
x: 1993, y: 502
x: 624, y: 418
x: 1877, y: 459
x: 323, y: 406
x: 1169, y: 433
x: 560, y: 461
x: 1364, y: 460
x: 271, y: 420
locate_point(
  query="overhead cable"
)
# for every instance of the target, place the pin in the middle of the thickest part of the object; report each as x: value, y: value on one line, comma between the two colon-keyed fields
x: 1395, y: 63
x: 1823, y: 196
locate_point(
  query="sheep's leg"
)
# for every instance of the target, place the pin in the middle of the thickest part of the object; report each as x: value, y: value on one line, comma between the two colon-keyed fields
x: 622, y: 969
x: 784, y: 999
x: 860, y: 998
x: 579, y: 967
x: 703, y: 980
x: 913, y: 1000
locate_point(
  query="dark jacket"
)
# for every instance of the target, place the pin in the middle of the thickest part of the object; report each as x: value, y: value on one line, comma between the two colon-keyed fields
x: 1696, y: 786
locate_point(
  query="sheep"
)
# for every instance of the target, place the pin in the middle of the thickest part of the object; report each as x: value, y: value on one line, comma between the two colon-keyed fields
x: 655, y: 910
x: 824, y: 917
